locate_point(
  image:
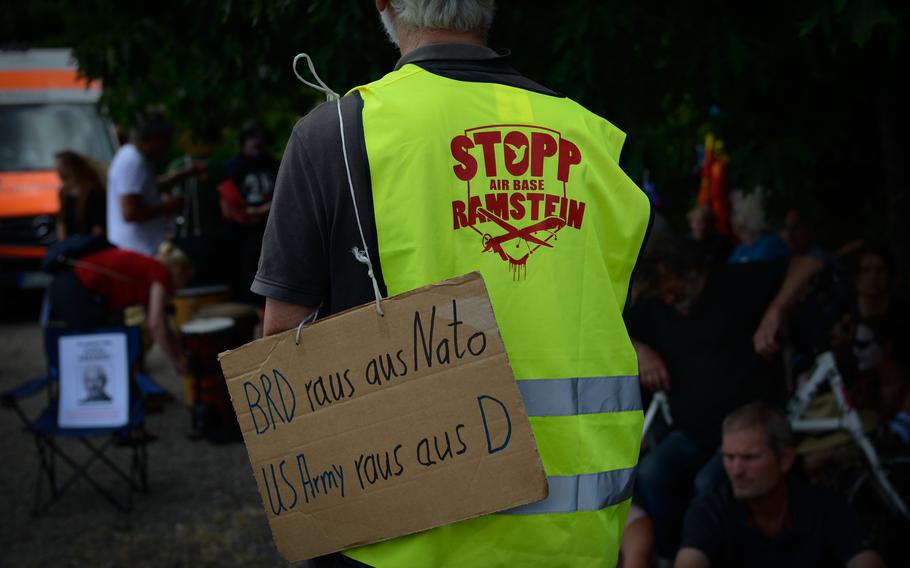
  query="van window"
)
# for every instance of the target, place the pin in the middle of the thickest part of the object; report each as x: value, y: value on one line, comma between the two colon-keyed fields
x: 31, y: 134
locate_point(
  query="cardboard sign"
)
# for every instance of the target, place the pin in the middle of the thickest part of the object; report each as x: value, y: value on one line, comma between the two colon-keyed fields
x: 377, y: 427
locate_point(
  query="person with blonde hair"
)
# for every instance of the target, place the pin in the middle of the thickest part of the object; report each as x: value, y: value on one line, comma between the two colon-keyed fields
x: 102, y: 284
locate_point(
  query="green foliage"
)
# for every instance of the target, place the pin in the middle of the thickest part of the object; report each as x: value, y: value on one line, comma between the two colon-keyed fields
x: 793, y: 81
x: 31, y: 24
x: 217, y: 63
x: 856, y: 22
x: 793, y: 97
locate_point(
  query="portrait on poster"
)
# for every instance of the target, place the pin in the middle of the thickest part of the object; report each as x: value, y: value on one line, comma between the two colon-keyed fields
x: 94, y: 380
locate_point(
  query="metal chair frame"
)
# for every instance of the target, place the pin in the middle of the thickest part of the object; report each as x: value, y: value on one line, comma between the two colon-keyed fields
x: 47, y: 433
x: 824, y: 371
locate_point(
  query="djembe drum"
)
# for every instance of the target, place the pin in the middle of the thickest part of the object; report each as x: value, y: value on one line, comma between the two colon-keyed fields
x: 211, y: 413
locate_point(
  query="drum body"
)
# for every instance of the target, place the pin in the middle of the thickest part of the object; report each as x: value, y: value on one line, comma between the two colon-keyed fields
x: 212, y: 415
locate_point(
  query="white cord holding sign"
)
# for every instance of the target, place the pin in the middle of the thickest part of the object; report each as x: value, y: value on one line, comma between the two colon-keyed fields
x: 362, y: 255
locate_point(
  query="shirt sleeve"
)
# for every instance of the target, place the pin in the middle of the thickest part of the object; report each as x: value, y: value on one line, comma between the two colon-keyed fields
x: 703, y: 528
x: 293, y: 265
x: 129, y: 177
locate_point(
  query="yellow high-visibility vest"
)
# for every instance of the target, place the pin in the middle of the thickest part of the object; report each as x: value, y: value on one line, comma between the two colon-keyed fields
x: 524, y: 187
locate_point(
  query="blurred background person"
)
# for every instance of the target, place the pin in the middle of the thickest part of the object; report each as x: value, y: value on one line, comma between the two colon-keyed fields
x: 880, y: 334
x: 83, y: 209
x: 246, y: 199
x: 97, y: 289
x: 200, y: 229
x: 796, y: 233
x: 139, y: 212
x: 703, y: 232
x: 750, y: 226
x: 766, y: 516
x: 869, y: 340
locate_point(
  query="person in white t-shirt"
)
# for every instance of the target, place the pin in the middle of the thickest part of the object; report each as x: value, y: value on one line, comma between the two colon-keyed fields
x: 139, y: 214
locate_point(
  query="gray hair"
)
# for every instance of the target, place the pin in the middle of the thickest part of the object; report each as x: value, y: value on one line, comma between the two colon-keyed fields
x: 749, y: 210
x: 456, y: 15
x: 770, y: 419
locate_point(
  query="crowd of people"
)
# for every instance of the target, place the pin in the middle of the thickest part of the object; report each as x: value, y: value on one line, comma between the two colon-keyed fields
x: 726, y: 326
x: 121, y: 229
x: 724, y: 322
x: 726, y: 484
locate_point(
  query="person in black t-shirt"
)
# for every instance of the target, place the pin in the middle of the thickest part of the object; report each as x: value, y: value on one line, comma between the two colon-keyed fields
x: 253, y: 174
x: 764, y: 516
x: 246, y: 199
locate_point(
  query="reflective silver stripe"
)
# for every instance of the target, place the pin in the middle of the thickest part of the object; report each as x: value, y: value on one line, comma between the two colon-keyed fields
x: 586, y: 492
x: 568, y: 397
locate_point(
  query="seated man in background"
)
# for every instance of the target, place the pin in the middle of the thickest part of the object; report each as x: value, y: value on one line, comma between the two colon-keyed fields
x: 765, y: 517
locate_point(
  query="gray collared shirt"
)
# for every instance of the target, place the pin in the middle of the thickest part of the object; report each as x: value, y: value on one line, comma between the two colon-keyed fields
x: 450, y: 52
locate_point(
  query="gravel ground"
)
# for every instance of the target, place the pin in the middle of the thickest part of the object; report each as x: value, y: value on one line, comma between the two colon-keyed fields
x: 202, y: 509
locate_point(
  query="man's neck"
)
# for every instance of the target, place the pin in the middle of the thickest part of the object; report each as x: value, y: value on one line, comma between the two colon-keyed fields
x: 409, y: 40
x: 770, y: 511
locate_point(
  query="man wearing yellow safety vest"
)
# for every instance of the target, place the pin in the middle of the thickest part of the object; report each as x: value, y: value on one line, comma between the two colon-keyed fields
x: 458, y: 163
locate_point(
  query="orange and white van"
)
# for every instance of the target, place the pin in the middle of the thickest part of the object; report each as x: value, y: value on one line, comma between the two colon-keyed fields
x: 45, y: 107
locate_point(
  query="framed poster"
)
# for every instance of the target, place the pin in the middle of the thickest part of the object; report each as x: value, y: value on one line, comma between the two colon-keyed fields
x: 94, y: 381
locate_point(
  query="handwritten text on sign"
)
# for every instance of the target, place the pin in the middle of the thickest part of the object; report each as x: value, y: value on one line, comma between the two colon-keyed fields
x: 376, y: 427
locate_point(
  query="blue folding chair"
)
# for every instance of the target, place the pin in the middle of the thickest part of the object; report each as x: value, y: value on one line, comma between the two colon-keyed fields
x: 49, y: 434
